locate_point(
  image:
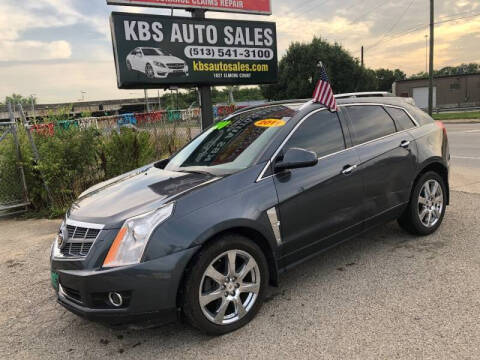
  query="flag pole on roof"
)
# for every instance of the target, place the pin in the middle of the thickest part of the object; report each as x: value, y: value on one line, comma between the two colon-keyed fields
x: 323, y: 92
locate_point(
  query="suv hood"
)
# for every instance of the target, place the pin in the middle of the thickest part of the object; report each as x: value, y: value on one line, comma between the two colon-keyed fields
x: 133, y: 193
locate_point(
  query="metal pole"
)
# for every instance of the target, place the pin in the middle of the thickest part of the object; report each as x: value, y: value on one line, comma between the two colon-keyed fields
x: 147, y: 104
x: 362, y: 56
x: 19, y: 154
x: 426, y: 53
x: 204, y: 91
x: 35, y: 152
x: 159, y: 101
x: 33, y: 110
x: 430, y: 80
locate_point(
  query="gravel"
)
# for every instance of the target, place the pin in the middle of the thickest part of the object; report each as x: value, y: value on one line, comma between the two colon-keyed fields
x: 384, y: 295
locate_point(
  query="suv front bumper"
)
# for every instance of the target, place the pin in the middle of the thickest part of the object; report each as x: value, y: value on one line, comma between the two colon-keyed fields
x: 149, y: 289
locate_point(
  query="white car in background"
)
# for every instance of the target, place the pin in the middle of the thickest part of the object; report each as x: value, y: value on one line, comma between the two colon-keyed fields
x: 155, y: 63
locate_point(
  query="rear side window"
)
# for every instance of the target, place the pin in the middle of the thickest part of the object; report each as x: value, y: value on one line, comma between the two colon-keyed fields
x: 402, y: 120
x: 369, y: 122
x: 321, y: 133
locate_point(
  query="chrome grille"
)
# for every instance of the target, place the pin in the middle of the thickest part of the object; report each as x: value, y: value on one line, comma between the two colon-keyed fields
x: 79, y: 241
x: 77, y: 232
x: 176, y: 66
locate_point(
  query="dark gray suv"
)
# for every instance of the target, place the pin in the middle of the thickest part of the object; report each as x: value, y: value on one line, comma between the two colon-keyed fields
x: 205, y: 232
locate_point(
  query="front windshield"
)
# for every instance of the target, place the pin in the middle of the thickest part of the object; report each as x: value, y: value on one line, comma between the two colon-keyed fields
x: 151, y: 52
x: 233, y: 144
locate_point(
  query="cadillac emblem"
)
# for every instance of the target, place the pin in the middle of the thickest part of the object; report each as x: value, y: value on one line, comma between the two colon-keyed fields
x: 62, y: 237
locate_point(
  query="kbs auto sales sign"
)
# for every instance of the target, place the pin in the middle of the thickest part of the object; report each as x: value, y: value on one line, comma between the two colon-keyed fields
x: 262, y: 7
x: 153, y: 51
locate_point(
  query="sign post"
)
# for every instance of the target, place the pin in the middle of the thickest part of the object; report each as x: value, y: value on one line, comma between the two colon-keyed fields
x: 204, y: 91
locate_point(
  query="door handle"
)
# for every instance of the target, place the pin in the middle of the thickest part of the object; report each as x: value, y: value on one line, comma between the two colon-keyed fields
x: 405, y: 144
x: 347, y: 169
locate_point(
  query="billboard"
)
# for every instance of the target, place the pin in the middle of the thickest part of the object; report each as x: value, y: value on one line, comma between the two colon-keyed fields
x: 262, y: 7
x: 153, y: 51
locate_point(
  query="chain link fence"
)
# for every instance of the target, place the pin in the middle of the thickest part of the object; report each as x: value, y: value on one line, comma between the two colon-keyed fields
x: 13, y: 192
x: 46, y: 165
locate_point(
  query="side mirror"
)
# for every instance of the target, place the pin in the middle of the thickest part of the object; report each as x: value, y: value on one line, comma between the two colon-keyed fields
x: 296, y: 158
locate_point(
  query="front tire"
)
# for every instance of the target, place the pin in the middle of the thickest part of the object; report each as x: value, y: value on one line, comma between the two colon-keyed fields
x: 149, y: 71
x: 225, y: 287
x: 426, y: 208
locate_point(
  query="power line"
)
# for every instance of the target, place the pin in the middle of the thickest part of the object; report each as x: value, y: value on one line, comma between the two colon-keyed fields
x: 394, y: 25
x: 308, y: 2
x: 368, y: 12
x: 422, y: 26
x: 314, y: 6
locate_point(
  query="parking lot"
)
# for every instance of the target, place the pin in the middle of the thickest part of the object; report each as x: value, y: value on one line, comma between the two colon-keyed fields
x: 385, y: 295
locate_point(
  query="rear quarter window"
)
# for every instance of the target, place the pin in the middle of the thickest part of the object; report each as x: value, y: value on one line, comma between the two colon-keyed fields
x: 401, y: 118
x: 420, y: 116
x: 369, y: 122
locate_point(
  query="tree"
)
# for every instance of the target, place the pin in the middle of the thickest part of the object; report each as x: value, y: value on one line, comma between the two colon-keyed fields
x: 462, y: 69
x: 16, y: 99
x: 298, y: 71
x: 386, y: 77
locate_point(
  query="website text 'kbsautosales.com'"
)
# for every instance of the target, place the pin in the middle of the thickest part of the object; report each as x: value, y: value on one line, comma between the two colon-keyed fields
x: 229, y: 67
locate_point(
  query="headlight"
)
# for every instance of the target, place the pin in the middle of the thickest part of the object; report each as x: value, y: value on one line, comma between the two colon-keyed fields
x: 159, y: 64
x: 132, y: 238
x: 186, y: 67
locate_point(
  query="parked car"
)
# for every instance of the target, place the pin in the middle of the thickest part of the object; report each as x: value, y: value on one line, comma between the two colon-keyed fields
x: 205, y: 232
x: 155, y: 63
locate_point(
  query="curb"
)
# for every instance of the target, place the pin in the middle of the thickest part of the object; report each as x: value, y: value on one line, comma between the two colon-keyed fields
x: 460, y: 121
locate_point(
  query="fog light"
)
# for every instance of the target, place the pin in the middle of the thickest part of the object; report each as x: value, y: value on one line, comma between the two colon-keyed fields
x: 115, y: 299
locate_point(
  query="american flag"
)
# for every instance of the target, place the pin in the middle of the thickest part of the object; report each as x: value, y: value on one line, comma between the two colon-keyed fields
x: 323, y: 92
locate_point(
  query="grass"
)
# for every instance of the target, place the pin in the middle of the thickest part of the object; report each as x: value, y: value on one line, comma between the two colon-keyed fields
x: 457, y: 115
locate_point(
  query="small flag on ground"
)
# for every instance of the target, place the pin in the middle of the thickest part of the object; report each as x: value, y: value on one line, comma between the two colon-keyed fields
x: 323, y: 92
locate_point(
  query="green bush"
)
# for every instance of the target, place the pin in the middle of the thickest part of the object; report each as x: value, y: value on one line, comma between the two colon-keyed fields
x: 74, y: 159
x: 124, y: 151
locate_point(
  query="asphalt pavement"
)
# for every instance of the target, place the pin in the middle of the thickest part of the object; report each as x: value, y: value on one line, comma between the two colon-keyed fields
x: 464, y: 144
x: 384, y: 295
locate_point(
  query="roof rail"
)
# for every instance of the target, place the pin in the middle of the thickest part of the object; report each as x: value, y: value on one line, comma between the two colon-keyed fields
x: 364, y: 94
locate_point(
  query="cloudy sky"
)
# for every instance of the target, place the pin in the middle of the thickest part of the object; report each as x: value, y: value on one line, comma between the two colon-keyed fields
x: 56, y: 49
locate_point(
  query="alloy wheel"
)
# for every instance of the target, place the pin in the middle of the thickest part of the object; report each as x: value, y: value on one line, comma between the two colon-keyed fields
x: 229, y: 287
x: 149, y: 71
x: 430, y: 203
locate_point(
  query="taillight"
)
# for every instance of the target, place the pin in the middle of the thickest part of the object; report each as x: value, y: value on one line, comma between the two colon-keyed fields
x: 441, y: 125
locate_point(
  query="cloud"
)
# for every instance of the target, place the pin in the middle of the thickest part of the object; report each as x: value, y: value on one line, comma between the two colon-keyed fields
x: 97, y: 79
x: 28, y: 51
x: 28, y: 58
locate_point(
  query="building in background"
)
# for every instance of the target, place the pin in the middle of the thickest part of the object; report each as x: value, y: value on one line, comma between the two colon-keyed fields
x: 449, y: 92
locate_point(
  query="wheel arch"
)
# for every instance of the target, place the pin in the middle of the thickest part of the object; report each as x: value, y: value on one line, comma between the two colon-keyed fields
x: 440, y: 169
x: 253, y: 234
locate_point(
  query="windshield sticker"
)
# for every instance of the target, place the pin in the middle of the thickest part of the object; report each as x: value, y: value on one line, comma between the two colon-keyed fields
x: 270, y: 123
x: 220, y: 125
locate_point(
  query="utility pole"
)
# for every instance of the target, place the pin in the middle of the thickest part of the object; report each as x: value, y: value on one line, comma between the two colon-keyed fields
x: 204, y: 90
x: 362, y: 56
x: 430, y: 80
x: 426, y: 53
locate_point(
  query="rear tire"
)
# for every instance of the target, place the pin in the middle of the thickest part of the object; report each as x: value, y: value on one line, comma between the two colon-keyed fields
x: 426, y: 208
x: 217, y: 300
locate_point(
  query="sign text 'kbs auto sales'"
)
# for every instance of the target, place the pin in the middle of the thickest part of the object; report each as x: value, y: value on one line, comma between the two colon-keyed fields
x: 262, y: 7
